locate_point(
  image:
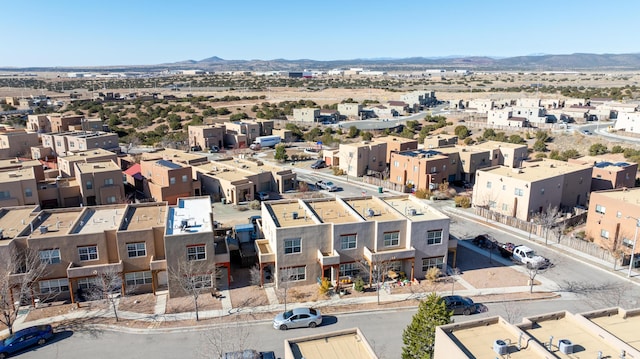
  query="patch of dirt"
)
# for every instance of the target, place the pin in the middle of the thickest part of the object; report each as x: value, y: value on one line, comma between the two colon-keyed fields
x: 206, y: 302
x: 142, y: 303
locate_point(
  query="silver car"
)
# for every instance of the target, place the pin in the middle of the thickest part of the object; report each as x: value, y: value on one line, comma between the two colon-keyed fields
x: 298, y: 318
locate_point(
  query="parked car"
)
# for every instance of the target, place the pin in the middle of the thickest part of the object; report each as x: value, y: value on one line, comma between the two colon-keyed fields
x: 263, y: 196
x: 25, y: 338
x: 460, y: 305
x: 328, y: 186
x: 298, y: 318
x: 318, y: 164
x: 249, y: 354
x: 586, y: 132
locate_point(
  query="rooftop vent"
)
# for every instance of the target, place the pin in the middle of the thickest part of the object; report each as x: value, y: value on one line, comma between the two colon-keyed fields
x: 294, y: 215
x: 412, y: 212
x: 44, y: 229
x: 500, y: 347
x: 565, y: 346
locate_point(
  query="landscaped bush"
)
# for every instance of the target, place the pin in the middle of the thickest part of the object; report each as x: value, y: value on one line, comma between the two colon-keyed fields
x: 422, y: 193
x: 358, y: 285
x: 255, y: 204
x: 337, y: 171
x: 433, y: 274
x: 463, y: 201
x: 325, y: 286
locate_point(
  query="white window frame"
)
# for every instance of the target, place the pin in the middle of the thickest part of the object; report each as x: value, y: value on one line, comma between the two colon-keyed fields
x: 86, y: 254
x: 601, y: 209
x: 197, y: 253
x: 349, y: 270
x: 138, y: 249
x: 431, y: 262
x: 434, y: 237
x: 297, y: 273
x: 348, y: 241
x: 200, y: 281
x: 138, y: 278
x: 292, y: 246
x: 54, y: 285
x: 604, y: 233
x: 50, y: 256
x: 392, y: 239
x: 518, y: 192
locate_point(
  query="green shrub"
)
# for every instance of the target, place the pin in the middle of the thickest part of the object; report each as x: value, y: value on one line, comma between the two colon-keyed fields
x: 255, y: 204
x: 325, y: 286
x: 358, y: 285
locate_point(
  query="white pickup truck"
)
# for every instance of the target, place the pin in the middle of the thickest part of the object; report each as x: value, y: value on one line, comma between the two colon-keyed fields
x: 528, y: 256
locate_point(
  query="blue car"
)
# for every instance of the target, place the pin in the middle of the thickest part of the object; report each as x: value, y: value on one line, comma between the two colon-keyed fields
x: 25, y: 338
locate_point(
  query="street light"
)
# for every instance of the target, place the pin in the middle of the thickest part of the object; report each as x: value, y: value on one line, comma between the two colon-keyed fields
x: 635, y: 241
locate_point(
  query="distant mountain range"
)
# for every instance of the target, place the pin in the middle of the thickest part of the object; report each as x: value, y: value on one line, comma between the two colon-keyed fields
x: 542, y: 62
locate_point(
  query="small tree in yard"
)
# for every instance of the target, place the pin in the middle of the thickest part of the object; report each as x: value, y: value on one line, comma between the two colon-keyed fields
x: 20, y: 270
x: 281, y: 153
x: 194, y: 277
x: 106, y: 286
x: 420, y: 336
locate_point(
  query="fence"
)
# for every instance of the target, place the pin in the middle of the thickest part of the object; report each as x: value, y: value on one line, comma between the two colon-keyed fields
x: 385, y: 184
x: 547, y: 232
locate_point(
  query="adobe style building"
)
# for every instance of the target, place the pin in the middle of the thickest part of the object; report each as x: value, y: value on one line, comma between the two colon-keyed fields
x: 177, y: 156
x: 609, y: 171
x: 166, y: 181
x: 100, y: 183
x: 608, y: 333
x: 340, y: 238
x: 350, y: 109
x: 207, y: 136
x: 18, y: 187
x: 538, y: 185
x: 396, y: 144
x: 421, y: 169
x: 608, y: 223
x: 66, y: 164
x: 66, y: 143
x: 440, y: 141
x: 356, y: 159
x: 16, y: 142
x: 306, y: 114
x: 141, y: 242
x: 239, y: 180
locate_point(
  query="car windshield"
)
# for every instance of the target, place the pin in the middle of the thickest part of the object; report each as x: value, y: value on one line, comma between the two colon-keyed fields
x: 329, y: 184
x: 287, y: 314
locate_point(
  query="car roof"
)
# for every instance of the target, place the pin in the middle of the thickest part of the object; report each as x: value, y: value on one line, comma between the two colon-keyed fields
x: 301, y: 311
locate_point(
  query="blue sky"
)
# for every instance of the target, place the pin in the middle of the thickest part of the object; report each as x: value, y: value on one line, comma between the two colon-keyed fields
x: 136, y: 32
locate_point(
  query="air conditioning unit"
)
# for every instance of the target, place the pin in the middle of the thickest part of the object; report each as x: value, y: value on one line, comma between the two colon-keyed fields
x: 412, y: 212
x: 500, y: 347
x: 565, y: 346
x: 294, y: 215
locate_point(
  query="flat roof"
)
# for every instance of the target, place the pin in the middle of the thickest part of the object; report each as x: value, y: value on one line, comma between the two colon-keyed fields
x: 343, y: 344
x: 83, y: 155
x: 283, y: 214
x: 18, y: 174
x: 174, y: 155
x: 535, y: 171
x: 406, y: 207
x: 629, y: 195
x: 624, y: 327
x: 14, y: 220
x: 388, y: 139
x: 242, y: 168
x: 100, y: 219
x: 425, y: 153
x: 190, y: 215
x: 16, y: 163
x: 57, y: 222
x: 331, y: 211
x: 144, y: 216
x: 564, y: 326
x: 373, y: 209
x: 478, y: 340
x: 497, y: 144
x: 97, y: 167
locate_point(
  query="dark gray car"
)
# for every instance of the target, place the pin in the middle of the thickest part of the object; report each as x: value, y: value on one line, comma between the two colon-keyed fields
x: 460, y: 305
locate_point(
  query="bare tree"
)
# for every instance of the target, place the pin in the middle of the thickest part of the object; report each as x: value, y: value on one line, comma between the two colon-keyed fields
x: 513, y: 311
x: 233, y: 337
x: 285, y: 277
x: 607, y: 294
x: 108, y: 287
x: 548, y: 219
x: 377, y: 270
x: 20, y: 270
x: 533, y: 269
x: 255, y: 277
x: 194, y: 278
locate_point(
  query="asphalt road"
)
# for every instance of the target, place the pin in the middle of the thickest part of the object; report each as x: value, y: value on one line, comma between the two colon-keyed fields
x: 382, y: 329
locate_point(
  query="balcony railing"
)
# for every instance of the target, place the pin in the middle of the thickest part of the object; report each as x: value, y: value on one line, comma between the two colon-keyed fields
x: 389, y: 255
x: 92, y: 270
x: 157, y: 264
x: 265, y: 253
x: 329, y: 259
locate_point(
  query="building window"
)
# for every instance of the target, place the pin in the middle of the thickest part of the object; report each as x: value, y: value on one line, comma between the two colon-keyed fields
x: 111, y: 199
x: 415, y: 168
x: 434, y: 237
x: 433, y: 262
x: 196, y: 253
x: 28, y: 192
x: 137, y: 249
x: 542, y: 191
x: 619, y: 214
x: 138, y: 278
x: 89, y: 185
x: 201, y: 281
x: 108, y: 181
x: 5, y: 194
x: 518, y: 192
x: 488, y: 184
x: 604, y: 233
x: 434, y: 169
x: 349, y: 270
x: 391, y: 239
x: 396, y: 164
x: 295, y: 273
x: 505, y: 207
x: 348, y: 241
x: 292, y: 246
x: 627, y: 242
x: 172, y: 180
x: 601, y: 209
x: 399, y: 178
x: 184, y: 178
x: 50, y: 256
x: 54, y: 285
x: 89, y: 253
